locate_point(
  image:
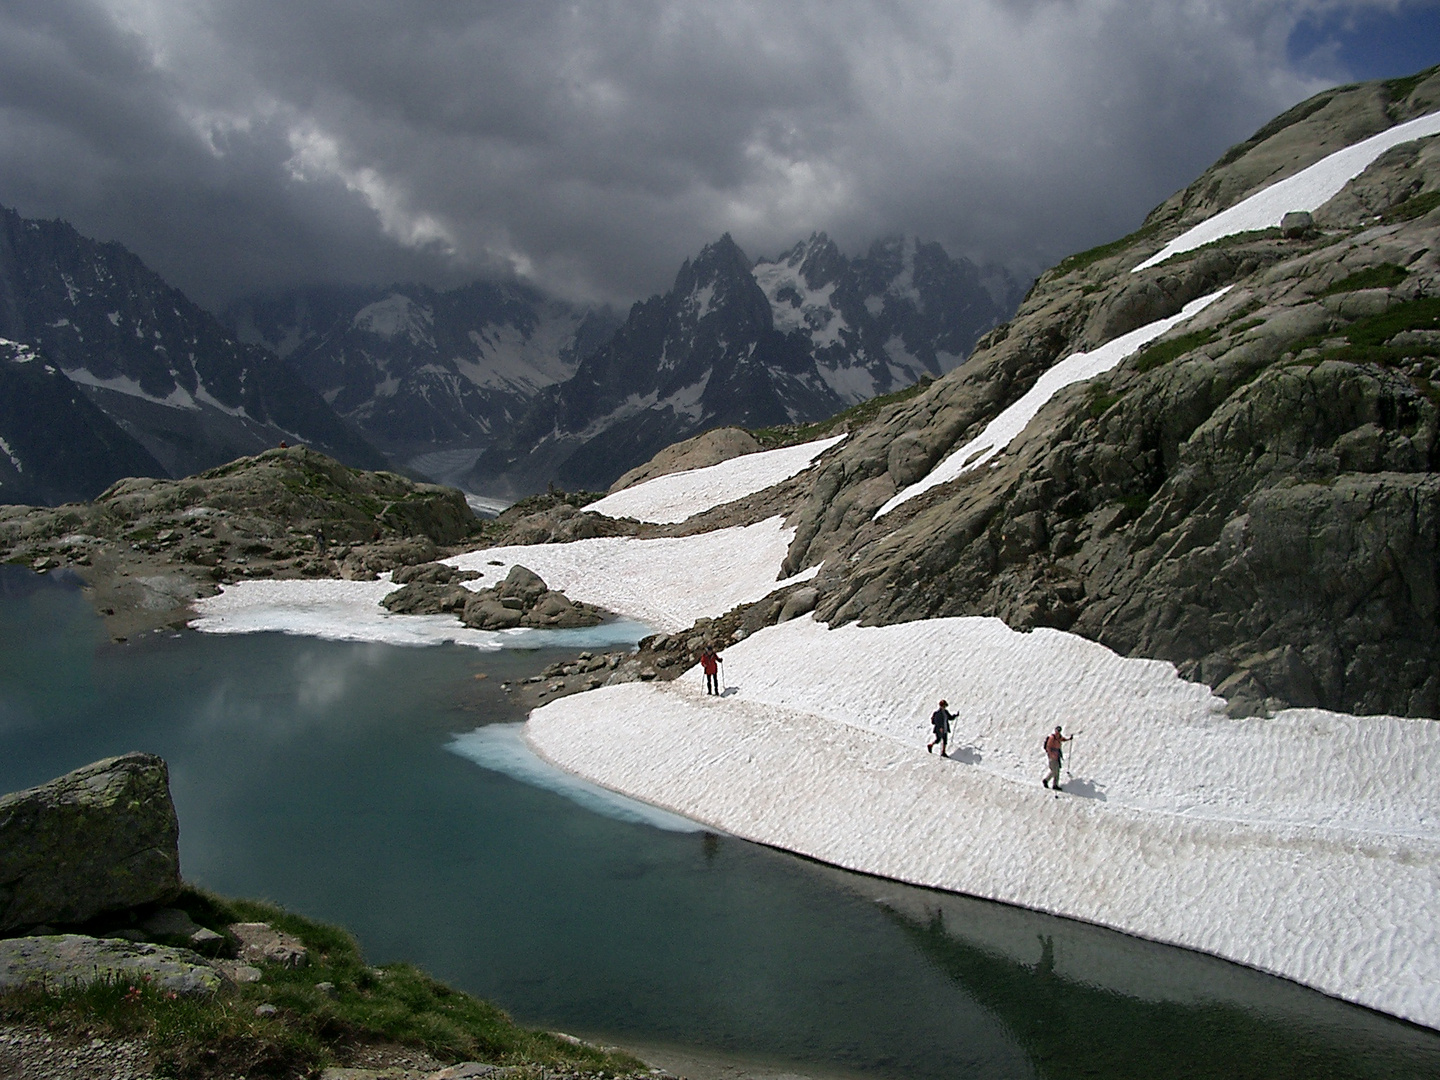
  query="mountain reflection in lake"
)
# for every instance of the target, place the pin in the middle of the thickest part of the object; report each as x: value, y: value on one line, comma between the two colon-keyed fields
x: 342, y: 780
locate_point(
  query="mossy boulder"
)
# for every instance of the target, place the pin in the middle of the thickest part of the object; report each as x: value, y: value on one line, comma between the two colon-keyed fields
x: 101, y: 838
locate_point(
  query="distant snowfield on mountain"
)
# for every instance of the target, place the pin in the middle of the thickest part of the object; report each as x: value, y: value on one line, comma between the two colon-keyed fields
x: 667, y: 500
x: 1308, y: 190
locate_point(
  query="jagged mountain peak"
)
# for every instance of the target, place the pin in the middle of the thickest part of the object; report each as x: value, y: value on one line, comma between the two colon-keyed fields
x: 775, y: 341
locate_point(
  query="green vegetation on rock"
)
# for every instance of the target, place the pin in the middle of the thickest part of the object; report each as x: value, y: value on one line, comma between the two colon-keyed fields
x: 308, y: 1016
x: 1162, y: 352
x: 1384, y: 276
x: 856, y: 416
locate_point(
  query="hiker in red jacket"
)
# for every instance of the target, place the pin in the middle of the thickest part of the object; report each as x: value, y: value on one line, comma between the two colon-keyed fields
x: 710, y: 664
x: 1055, y: 751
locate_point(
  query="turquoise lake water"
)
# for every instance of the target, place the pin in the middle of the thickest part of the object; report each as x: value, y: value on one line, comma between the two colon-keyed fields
x: 386, y: 789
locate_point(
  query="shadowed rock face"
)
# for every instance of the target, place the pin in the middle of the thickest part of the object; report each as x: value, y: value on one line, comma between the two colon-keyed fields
x: 101, y: 838
x: 1254, y: 496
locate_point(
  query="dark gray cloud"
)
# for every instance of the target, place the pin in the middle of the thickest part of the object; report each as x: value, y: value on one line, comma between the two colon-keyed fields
x: 589, y: 147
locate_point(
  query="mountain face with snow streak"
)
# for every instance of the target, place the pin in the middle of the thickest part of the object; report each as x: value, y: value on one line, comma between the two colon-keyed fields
x: 433, y: 378
x: 167, y: 372
x: 1248, y: 485
x: 735, y: 342
x: 56, y: 446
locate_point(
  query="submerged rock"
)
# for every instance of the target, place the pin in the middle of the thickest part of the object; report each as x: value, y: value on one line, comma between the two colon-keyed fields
x: 101, y: 838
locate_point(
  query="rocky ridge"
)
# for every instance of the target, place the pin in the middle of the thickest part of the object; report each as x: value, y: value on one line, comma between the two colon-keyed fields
x: 146, y: 547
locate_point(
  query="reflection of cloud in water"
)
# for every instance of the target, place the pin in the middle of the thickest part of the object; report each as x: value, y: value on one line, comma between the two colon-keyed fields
x: 323, y: 679
x: 502, y: 748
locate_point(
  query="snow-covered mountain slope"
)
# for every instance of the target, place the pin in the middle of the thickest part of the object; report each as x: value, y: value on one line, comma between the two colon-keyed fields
x: 56, y: 446
x: 163, y: 369
x: 431, y: 377
x: 791, y: 340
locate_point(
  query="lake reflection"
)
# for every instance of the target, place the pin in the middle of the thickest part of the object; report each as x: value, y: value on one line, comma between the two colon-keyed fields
x: 344, y: 780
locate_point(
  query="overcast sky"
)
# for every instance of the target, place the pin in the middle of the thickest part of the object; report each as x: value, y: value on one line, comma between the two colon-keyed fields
x: 590, y: 147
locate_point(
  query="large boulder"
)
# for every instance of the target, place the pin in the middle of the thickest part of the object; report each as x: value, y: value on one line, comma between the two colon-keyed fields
x: 101, y: 838
x: 64, y: 960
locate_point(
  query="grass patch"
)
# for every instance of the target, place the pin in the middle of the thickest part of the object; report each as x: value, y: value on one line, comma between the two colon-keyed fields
x: 1101, y: 400
x: 1384, y: 276
x: 1082, y: 259
x: 1402, y: 88
x: 310, y: 1028
x: 1366, y: 337
x: 856, y: 416
x: 1413, y: 207
x: 1162, y: 352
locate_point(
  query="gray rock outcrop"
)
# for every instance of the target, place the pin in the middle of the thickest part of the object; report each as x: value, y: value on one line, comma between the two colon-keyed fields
x: 523, y: 599
x: 62, y: 960
x: 101, y: 838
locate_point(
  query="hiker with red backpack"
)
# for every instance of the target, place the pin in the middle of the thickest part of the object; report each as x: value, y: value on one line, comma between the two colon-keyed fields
x: 1055, y: 751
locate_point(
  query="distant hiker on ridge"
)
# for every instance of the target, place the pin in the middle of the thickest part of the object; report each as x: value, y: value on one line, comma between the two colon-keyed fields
x: 710, y: 662
x: 1055, y: 751
x: 940, y: 720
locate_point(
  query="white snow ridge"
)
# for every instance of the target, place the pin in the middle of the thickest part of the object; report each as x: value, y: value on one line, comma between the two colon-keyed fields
x: 1309, y: 189
x: 1077, y: 367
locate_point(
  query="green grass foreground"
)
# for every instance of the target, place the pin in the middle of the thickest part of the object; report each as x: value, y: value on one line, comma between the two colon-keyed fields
x: 310, y: 1028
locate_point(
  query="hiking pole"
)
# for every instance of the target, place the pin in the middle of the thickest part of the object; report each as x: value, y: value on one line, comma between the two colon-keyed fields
x: 1071, y: 758
x: 722, y: 675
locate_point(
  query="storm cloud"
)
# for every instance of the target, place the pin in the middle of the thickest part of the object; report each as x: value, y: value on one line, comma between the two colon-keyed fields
x: 590, y: 147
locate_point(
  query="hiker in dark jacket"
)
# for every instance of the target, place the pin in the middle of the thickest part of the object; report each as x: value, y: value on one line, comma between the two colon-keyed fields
x: 940, y: 720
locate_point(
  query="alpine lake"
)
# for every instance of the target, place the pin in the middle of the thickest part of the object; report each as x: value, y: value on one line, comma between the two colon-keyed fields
x: 388, y: 789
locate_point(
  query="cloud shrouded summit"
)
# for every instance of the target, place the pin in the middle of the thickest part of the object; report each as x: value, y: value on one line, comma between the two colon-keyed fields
x: 590, y: 147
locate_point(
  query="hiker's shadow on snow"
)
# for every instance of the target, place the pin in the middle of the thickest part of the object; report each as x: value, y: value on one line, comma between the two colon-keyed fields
x: 729, y: 691
x: 1086, y: 789
x: 967, y: 755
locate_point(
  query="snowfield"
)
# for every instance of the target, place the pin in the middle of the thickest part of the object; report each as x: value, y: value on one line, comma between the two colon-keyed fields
x: 669, y: 499
x: 1303, y: 845
x: 1077, y: 367
x: 1309, y: 189
x: 664, y: 583
x: 667, y: 582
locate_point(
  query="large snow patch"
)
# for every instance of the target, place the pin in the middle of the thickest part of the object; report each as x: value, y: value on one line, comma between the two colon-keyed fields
x: 1301, y: 845
x: 666, y: 583
x: 669, y: 499
x: 1309, y: 189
